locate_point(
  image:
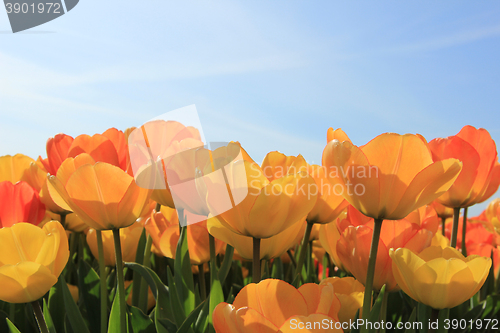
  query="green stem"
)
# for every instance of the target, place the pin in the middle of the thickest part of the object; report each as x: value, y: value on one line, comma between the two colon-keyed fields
x: 201, y: 281
x: 292, y: 258
x: 63, y: 220
x: 367, y: 301
x: 464, y: 231
x: 120, y: 280
x: 454, y: 229
x: 103, y: 278
x: 256, y: 261
x: 12, y: 312
x: 213, y: 264
x: 303, y: 249
x: 143, y: 296
x: 443, y: 226
x: 42, y: 325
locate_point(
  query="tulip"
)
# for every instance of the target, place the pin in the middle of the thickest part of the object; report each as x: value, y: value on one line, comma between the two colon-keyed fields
x: 275, y: 306
x: 102, y: 195
x: 12, y: 167
x: 328, y: 236
x: 477, y: 150
x: 151, y: 301
x: 397, y: 173
x: 439, y: 278
x: 480, y: 176
x: 353, y: 249
x: 350, y: 294
x: 129, y: 238
x: 109, y: 147
x: 270, y: 248
x: 492, y: 214
x: 443, y: 212
x: 164, y: 229
x: 268, y: 205
x: 31, y: 260
x: 19, y: 203
x: 57, y: 152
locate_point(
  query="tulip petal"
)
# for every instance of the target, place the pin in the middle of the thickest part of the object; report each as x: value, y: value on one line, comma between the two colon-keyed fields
x: 25, y: 282
x: 427, y: 185
x: 224, y: 318
x: 12, y: 168
x: 21, y: 242
x: 274, y: 299
x: 54, y: 253
x: 249, y: 321
x: 351, y: 173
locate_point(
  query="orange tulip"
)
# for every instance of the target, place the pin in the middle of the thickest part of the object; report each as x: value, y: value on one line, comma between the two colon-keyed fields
x: 390, y: 176
x: 102, y: 195
x: 57, y: 152
x: 31, y: 260
x: 164, y: 229
x: 151, y: 297
x: 129, y: 238
x: 274, y: 200
x: 329, y: 204
x: 276, y: 306
x: 353, y: 249
x: 19, y: 203
x: 477, y: 150
x: 109, y: 147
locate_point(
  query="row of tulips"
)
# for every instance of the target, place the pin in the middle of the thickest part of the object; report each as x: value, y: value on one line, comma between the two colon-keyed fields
x: 134, y: 232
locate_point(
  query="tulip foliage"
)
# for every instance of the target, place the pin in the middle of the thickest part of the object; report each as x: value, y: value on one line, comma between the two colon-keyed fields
x: 147, y: 230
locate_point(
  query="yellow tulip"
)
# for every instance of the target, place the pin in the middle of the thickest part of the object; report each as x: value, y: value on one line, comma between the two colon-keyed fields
x: 350, y: 293
x: 12, y: 168
x: 390, y: 176
x: 31, y: 260
x: 437, y: 277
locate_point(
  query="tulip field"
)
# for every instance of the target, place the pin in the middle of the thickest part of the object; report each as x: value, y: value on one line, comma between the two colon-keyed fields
x: 150, y: 230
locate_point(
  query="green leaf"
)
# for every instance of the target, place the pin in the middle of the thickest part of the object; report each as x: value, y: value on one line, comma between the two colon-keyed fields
x: 56, y: 306
x: 74, y: 316
x: 12, y: 327
x: 226, y: 264
x: 183, y: 275
x: 114, y: 317
x: 139, y: 322
x: 216, y: 297
x: 48, y: 318
x: 202, y: 321
x: 175, y: 303
x: 375, y: 312
x: 139, y: 258
x: 90, y: 291
x: 412, y: 320
x: 161, y: 293
x: 424, y: 314
x: 166, y: 326
x: 186, y: 325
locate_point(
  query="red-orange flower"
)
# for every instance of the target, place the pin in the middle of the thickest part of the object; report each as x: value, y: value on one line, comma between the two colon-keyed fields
x: 109, y: 147
x: 57, y: 152
x: 353, y: 249
x: 478, y: 152
x: 19, y: 203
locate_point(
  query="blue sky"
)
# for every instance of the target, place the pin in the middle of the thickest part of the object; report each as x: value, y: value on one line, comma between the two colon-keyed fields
x: 273, y: 75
